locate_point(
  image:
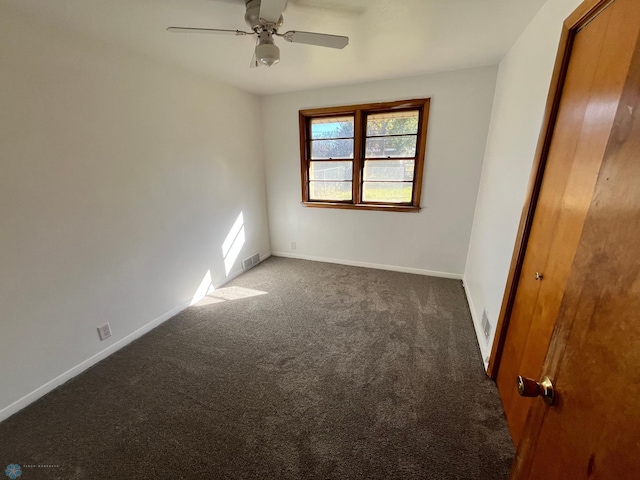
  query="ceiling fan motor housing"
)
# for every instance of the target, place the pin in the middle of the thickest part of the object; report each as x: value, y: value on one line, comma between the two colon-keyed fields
x: 252, y: 16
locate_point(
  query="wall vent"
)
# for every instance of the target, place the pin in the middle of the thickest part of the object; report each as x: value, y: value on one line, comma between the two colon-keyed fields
x: 251, y: 261
x: 486, y: 326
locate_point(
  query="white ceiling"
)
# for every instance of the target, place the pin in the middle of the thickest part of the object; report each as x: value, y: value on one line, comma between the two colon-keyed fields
x: 388, y: 38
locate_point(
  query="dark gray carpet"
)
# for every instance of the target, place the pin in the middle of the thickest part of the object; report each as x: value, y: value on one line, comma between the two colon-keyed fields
x: 336, y: 373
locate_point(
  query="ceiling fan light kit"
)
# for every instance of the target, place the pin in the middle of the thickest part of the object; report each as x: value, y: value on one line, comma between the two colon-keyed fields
x: 265, y: 18
x: 267, y: 53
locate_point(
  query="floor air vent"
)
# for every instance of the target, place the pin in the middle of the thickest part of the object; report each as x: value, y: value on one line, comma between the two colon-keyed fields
x: 251, y: 261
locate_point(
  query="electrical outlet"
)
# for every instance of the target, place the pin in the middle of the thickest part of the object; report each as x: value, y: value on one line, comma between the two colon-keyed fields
x: 293, y: 245
x: 104, y: 331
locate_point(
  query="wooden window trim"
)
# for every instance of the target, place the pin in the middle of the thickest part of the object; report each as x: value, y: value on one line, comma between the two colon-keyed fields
x: 359, y: 113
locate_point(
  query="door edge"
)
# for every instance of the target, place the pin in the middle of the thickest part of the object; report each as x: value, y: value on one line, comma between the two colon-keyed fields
x: 581, y: 16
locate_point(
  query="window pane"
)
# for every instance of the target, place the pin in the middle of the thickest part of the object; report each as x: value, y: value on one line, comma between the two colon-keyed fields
x: 334, y: 127
x: 329, y: 191
x: 331, y: 171
x: 399, y: 192
x: 331, y: 149
x: 382, y: 147
x: 392, y: 123
x: 398, y: 170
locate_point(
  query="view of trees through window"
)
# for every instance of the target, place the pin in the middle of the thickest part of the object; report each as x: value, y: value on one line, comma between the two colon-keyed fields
x: 391, y: 136
x: 331, y: 139
x: 385, y: 169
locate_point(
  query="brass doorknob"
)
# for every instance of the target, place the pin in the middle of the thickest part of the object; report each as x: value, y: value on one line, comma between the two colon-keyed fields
x: 530, y: 388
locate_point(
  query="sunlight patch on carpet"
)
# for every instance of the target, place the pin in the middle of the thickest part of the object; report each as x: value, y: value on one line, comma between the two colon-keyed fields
x: 229, y: 294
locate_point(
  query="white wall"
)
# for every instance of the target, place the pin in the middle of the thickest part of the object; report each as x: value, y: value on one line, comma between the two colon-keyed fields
x: 435, y: 240
x: 120, y: 179
x: 521, y: 93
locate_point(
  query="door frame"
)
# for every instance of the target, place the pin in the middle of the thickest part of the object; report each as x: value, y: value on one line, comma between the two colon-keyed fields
x: 585, y: 12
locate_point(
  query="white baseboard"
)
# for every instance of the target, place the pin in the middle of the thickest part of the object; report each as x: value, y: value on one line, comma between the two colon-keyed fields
x: 485, y: 351
x: 265, y: 256
x: 19, y: 404
x: 353, y: 263
x: 39, y: 392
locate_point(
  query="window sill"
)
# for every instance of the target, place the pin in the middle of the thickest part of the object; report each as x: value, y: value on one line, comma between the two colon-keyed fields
x: 363, y: 206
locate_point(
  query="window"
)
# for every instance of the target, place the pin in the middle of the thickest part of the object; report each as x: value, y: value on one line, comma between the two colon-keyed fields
x: 364, y: 156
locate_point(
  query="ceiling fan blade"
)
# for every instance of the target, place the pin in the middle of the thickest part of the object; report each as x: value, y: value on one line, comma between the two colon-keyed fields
x: 254, y: 61
x: 270, y: 10
x: 206, y: 30
x: 319, y: 39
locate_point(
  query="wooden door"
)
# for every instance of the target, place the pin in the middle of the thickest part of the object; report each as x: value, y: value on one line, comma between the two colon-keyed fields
x: 593, y: 430
x: 593, y: 84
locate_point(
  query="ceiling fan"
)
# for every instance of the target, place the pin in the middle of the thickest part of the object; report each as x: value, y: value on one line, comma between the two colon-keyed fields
x: 265, y: 18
